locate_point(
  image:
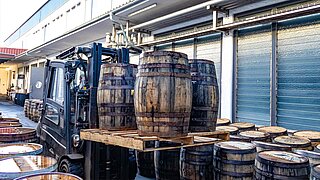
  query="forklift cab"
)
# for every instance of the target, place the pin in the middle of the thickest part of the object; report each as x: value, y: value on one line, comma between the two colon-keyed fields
x: 57, y: 128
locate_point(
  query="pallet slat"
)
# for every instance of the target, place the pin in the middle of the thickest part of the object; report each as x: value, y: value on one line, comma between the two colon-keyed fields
x: 131, y: 139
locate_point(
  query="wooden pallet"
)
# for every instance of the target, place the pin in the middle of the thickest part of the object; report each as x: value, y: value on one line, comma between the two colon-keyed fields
x: 131, y: 139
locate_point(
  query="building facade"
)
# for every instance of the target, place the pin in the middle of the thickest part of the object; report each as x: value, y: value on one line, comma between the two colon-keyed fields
x: 266, y: 52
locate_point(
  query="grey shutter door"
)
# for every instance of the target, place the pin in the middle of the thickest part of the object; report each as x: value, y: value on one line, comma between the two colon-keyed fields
x: 185, y: 46
x: 298, y: 101
x: 164, y: 47
x: 253, y: 75
x: 209, y: 47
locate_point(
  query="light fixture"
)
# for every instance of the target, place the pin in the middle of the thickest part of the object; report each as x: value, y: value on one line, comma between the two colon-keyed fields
x: 143, y: 10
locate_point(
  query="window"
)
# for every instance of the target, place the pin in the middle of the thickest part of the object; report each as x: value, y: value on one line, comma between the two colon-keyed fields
x: 52, y: 114
x: 57, y: 86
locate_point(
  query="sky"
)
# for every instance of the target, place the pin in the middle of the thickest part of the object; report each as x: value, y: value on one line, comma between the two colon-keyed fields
x: 15, y: 12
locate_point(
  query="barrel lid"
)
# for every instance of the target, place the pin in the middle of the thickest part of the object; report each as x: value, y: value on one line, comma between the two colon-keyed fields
x: 312, y: 135
x: 164, y: 53
x: 292, y: 140
x: 254, y: 134
x: 18, y: 148
x: 235, y: 145
x: 50, y: 175
x: 282, y: 157
x: 222, y: 121
x: 266, y: 145
x: 227, y: 128
x: 308, y: 154
x: 16, y: 130
x: 9, y: 124
x: 243, y: 125
x: 24, y: 164
x: 272, y: 129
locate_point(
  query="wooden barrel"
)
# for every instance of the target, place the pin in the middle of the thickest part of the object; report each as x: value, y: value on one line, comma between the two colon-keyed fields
x: 196, y: 162
x: 35, y: 106
x: 145, y: 162
x: 244, y: 126
x: 266, y: 146
x: 26, y: 107
x: 315, y: 175
x: 115, y: 97
x: 317, y: 148
x: 294, y: 142
x: 15, y: 167
x: 274, y: 131
x: 233, y: 160
x: 313, y: 136
x: 239, y: 138
x: 9, y: 124
x: 17, y: 134
x: 9, y: 119
x: 281, y: 165
x: 223, y: 122
x: 20, y: 149
x: 314, y: 157
x: 232, y: 130
x: 255, y: 135
x: 167, y: 162
x: 50, y: 176
x: 163, y: 94
x: 205, y: 96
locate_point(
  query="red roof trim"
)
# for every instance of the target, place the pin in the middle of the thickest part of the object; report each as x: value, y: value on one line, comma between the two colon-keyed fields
x: 12, y: 51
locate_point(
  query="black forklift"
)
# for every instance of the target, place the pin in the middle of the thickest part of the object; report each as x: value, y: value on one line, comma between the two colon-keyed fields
x: 70, y: 104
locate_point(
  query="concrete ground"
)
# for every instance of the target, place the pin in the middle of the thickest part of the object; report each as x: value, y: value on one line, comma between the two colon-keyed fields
x: 9, y: 109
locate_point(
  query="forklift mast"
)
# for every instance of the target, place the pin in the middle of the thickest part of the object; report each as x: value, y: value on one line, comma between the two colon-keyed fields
x: 94, y: 53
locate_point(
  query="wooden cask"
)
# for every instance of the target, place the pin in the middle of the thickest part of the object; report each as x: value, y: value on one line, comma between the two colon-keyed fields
x: 223, y: 122
x: 255, y: 135
x: 9, y: 124
x: 115, y: 97
x: 196, y: 163
x: 315, y: 175
x: 167, y: 162
x: 233, y: 160
x: 163, y: 94
x: 17, y: 134
x: 244, y: 126
x: 9, y: 119
x: 232, y: 130
x: 281, y: 165
x: 26, y: 107
x: 19, y: 149
x: 50, y: 176
x: 313, y: 136
x: 317, y: 148
x: 294, y: 142
x: 205, y: 96
x: 145, y: 162
x: 239, y: 138
x: 14, y: 167
x: 274, y: 131
x: 266, y: 146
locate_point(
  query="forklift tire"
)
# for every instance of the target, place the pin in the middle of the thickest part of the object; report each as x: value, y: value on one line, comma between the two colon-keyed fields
x: 68, y: 166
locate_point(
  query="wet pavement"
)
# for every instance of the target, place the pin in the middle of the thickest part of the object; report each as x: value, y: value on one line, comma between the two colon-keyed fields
x: 9, y: 109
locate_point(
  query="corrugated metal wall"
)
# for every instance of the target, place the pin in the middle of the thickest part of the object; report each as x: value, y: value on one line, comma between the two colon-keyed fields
x: 298, y: 101
x: 253, y: 75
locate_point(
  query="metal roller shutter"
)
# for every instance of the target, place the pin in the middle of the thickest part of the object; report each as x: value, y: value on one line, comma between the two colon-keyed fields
x: 185, y: 46
x: 298, y: 99
x: 164, y: 47
x: 209, y: 47
x: 253, y: 75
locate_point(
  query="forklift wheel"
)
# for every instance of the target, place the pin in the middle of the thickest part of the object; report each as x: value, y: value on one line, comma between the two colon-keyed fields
x: 72, y: 167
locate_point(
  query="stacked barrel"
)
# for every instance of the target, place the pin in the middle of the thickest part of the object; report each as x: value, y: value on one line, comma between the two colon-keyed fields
x: 33, y: 108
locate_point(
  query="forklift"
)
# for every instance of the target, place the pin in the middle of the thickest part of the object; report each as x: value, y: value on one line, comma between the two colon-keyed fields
x: 70, y: 104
